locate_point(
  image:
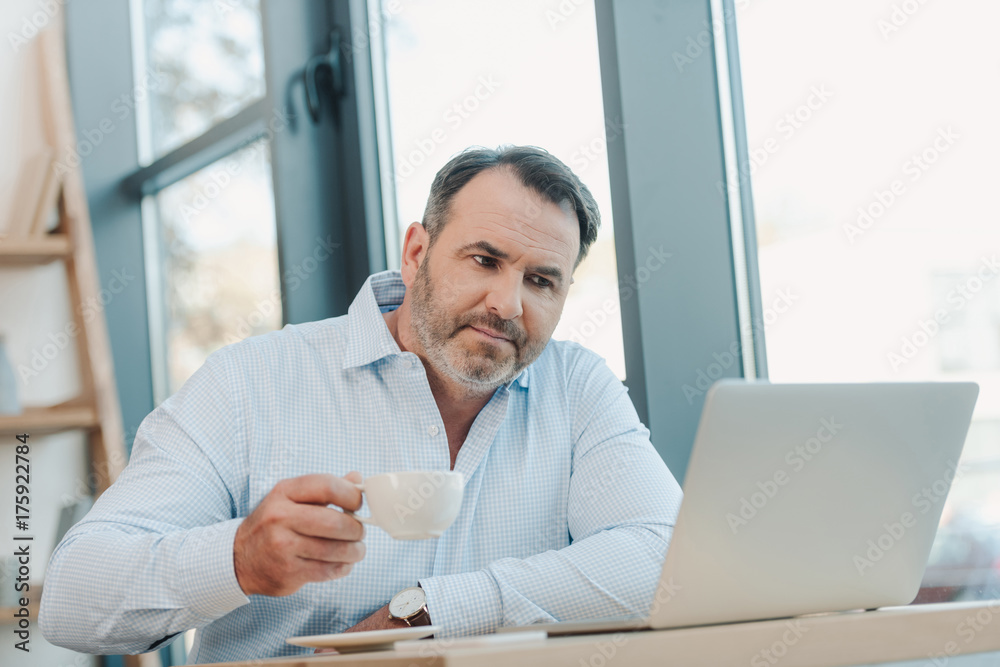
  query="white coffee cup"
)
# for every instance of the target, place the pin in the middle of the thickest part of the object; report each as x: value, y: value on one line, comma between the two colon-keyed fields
x: 414, y: 505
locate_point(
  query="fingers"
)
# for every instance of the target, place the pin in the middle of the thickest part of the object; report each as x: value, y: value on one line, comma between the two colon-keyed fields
x: 325, y: 522
x: 293, y: 538
x: 317, y: 570
x: 322, y: 489
x: 329, y: 551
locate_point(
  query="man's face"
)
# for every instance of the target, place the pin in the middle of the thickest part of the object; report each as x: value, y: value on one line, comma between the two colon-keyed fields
x: 487, y: 296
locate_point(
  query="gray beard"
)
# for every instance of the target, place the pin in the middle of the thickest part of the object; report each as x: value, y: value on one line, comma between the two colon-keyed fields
x: 436, y: 333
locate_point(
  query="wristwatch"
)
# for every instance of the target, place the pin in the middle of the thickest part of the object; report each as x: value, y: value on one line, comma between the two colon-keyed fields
x: 410, y: 605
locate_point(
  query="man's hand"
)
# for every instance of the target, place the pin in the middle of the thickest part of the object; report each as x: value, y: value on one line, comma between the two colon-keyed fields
x: 293, y: 538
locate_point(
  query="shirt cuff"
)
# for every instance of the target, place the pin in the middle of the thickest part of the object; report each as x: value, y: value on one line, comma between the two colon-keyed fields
x: 206, y: 576
x: 463, y: 604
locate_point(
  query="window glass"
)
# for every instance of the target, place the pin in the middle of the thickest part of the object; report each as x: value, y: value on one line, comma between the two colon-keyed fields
x: 206, y: 62
x: 219, y: 259
x: 873, y: 135
x: 518, y: 72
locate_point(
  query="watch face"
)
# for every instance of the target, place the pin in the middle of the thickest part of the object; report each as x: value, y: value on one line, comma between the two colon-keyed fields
x: 407, y: 602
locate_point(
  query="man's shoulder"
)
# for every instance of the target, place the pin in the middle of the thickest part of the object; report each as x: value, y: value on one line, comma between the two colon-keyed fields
x: 568, y: 363
x: 292, y: 344
x: 569, y: 352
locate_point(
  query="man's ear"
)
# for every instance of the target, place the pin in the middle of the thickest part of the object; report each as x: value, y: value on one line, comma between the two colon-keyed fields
x: 415, y: 246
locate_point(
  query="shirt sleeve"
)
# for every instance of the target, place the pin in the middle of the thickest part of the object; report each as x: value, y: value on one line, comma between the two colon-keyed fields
x: 623, y: 503
x: 133, y: 573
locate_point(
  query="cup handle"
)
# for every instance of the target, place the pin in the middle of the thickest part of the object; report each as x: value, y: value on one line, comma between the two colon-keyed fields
x: 363, y: 519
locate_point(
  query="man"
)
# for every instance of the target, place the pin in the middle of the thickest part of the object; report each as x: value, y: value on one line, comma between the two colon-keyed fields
x: 228, y: 517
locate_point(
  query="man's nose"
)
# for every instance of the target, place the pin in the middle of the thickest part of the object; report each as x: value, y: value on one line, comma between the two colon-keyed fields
x: 504, y: 298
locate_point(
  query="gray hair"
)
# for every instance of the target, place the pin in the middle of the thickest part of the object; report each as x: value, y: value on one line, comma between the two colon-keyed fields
x: 535, y: 167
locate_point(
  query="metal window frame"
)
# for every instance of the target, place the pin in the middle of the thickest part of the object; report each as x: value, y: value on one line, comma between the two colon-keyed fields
x: 325, y: 176
x: 690, y: 321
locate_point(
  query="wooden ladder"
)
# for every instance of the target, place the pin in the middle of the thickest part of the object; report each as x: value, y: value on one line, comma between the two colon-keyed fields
x: 53, y: 181
x: 96, y: 410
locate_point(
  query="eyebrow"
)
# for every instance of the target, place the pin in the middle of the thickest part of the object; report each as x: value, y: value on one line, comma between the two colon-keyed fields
x: 490, y: 249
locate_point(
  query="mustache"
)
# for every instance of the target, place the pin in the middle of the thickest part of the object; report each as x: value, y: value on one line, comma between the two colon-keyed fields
x: 505, y: 328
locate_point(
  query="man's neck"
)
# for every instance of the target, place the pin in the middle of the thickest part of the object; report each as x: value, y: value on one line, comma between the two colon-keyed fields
x: 457, y: 404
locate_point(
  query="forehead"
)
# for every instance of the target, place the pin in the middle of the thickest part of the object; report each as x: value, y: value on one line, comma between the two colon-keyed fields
x: 495, y: 206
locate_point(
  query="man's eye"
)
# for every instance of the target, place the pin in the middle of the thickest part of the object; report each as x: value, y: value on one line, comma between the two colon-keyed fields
x: 540, y: 282
x: 485, y: 261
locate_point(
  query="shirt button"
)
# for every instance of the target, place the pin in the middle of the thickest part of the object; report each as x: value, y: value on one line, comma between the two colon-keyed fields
x: 407, y: 362
x: 432, y: 430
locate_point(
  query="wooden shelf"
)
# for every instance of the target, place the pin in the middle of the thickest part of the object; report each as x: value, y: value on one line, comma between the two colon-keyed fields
x: 35, y: 595
x: 7, y: 613
x: 42, y: 421
x: 42, y: 250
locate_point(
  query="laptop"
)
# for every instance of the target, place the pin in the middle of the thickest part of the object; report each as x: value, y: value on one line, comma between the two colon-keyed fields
x: 806, y: 498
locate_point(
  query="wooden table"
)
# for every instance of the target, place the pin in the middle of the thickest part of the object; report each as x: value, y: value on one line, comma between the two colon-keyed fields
x: 920, y: 632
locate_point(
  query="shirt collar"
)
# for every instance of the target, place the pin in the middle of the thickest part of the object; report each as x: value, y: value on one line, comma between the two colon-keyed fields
x: 369, y: 339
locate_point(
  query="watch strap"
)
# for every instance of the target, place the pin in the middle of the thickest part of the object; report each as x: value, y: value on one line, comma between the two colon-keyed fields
x: 422, y: 617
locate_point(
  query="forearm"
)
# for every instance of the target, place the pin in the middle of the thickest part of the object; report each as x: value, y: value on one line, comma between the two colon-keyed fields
x: 155, y: 554
x: 620, y: 513
x: 110, y: 591
x: 611, y: 573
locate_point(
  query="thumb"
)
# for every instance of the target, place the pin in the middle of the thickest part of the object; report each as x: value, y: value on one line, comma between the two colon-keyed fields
x: 354, y: 476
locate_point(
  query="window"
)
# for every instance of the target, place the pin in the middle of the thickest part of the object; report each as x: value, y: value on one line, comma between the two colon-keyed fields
x: 210, y: 62
x: 218, y: 260
x: 211, y: 242
x: 872, y: 158
x: 531, y: 78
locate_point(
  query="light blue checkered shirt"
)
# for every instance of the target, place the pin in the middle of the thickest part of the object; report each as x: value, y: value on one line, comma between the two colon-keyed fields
x: 567, y: 510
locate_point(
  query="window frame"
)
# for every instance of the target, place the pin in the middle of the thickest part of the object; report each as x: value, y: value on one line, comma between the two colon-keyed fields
x: 105, y: 58
x: 698, y: 313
